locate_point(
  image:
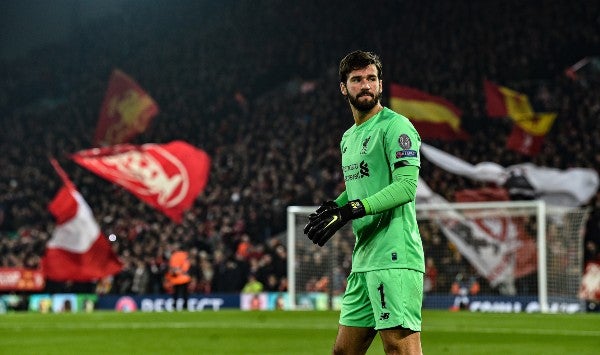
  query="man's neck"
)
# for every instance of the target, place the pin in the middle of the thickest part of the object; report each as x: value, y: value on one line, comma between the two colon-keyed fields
x: 362, y: 117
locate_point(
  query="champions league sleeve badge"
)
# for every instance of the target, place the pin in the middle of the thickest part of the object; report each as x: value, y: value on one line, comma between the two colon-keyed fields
x: 405, y: 143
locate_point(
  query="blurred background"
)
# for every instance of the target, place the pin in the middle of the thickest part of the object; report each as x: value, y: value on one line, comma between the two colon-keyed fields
x: 254, y: 84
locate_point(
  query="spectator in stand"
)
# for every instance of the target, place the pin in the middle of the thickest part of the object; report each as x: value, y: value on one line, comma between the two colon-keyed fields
x: 431, y: 273
x: 177, y: 277
x: 141, y: 278
x: 206, y: 274
x: 252, y: 285
x: 463, y: 287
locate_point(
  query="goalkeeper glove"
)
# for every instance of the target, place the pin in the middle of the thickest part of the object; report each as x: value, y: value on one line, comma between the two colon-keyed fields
x: 327, y: 205
x: 325, y: 224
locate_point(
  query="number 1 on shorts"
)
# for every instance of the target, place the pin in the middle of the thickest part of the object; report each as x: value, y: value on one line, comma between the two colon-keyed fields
x: 380, y: 289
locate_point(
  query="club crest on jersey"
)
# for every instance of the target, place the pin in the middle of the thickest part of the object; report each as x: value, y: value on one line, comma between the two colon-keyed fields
x: 404, y: 141
x: 364, y: 145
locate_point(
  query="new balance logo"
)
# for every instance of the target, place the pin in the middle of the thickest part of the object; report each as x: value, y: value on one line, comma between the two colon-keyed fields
x: 384, y: 316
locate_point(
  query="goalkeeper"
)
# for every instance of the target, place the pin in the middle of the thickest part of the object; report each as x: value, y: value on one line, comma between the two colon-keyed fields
x: 380, y: 163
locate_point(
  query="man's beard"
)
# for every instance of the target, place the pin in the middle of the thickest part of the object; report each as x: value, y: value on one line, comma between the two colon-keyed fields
x: 364, y: 106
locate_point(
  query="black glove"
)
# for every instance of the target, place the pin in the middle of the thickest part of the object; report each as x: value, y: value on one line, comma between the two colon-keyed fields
x: 325, y: 224
x: 327, y: 205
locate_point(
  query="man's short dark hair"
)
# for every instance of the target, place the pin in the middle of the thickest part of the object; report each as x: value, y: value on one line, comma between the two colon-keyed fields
x: 358, y: 60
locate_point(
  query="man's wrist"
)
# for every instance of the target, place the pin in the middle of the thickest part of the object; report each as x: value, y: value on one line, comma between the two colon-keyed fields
x: 352, y: 210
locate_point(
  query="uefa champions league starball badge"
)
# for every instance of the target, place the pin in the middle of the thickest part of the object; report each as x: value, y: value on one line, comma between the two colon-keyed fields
x: 404, y: 141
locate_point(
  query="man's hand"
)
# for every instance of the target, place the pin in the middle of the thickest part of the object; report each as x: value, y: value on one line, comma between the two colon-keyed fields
x: 327, y: 205
x: 324, y: 225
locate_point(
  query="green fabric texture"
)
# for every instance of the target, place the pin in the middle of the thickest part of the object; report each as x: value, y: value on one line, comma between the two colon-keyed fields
x: 403, y: 189
x: 342, y: 199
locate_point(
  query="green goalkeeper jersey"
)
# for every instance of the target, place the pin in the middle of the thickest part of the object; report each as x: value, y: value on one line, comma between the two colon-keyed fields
x: 370, y: 153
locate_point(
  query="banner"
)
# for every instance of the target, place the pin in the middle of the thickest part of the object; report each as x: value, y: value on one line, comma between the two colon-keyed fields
x: 496, y: 246
x: 570, y: 187
x: 62, y: 302
x: 522, y: 260
x: 126, y: 111
x: 503, y: 304
x: 166, y: 303
x: 434, y: 117
x: 488, y: 244
x: 168, y: 177
x: 491, y: 254
x: 20, y: 279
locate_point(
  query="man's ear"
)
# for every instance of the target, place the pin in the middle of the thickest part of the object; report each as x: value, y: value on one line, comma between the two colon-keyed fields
x: 343, y: 89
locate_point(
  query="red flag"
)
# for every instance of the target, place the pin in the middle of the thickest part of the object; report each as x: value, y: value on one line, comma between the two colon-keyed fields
x: 166, y: 176
x: 78, y: 250
x: 527, y: 135
x: 126, y: 111
x: 434, y: 117
x: 523, y: 142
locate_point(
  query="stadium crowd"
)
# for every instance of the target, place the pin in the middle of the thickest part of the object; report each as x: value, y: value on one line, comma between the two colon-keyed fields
x: 254, y: 83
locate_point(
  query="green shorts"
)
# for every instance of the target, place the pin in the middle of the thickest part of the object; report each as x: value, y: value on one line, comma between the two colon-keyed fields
x: 383, y: 299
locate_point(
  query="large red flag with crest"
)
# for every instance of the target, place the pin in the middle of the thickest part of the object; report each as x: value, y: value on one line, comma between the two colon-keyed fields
x: 514, y: 252
x: 78, y: 250
x: 166, y: 176
x: 126, y: 111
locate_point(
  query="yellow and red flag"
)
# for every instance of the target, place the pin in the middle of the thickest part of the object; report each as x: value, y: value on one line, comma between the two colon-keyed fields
x: 504, y: 102
x: 434, y: 117
x: 126, y: 111
x: 529, y: 127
